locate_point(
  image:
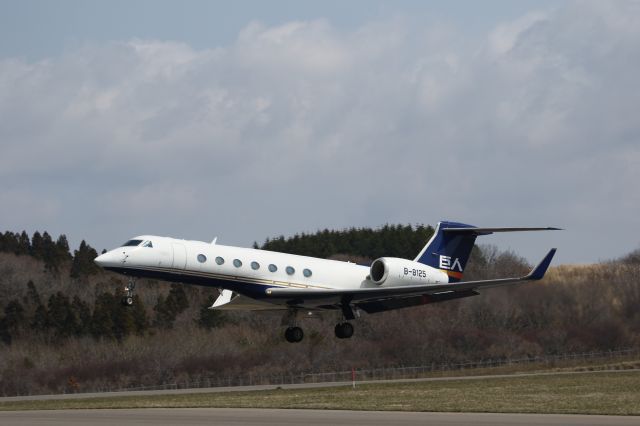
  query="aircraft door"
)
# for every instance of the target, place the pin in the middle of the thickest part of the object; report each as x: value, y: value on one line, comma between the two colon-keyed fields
x: 179, y: 256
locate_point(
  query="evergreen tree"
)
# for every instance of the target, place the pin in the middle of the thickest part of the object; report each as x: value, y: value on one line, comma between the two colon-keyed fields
x: 33, y: 297
x: 139, y: 315
x: 9, y: 243
x: 24, y: 244
x: 83, y: 264
x: 49, y: 252
x: 37, y: 246
x: 177, y: 300
x: 123, y: 323
x: 81, y: 316
x: 40, y: 320
x: 102, y: 319
x: 165, y: 315
x: 62, y: 248
x: 60, y: 317
x: 14, y: 317
x: 5, y: 335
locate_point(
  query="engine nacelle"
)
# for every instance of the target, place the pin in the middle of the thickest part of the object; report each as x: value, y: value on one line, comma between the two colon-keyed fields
x: 393, y: 271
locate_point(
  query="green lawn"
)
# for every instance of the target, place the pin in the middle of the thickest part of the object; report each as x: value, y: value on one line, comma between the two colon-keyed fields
x: 591, y: 393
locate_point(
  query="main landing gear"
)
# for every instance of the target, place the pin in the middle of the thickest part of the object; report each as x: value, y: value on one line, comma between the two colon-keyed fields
x: 294, y: 334
x: 344, y: 330
x: 127, y: 299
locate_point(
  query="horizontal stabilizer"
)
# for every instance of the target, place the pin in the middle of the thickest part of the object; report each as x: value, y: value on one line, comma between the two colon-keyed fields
x: 487, y: 231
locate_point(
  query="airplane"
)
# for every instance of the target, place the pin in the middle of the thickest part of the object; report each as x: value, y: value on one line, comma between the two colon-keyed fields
x: 255, y: 280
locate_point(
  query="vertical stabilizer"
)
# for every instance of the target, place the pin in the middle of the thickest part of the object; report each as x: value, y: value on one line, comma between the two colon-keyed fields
x: 449, y: 251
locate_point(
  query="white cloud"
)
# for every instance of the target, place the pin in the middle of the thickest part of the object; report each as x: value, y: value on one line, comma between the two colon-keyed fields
x: 504, y: 38
x: 301, y: 126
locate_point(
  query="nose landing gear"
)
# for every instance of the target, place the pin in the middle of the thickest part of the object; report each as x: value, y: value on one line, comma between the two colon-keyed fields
x: 127, y: 299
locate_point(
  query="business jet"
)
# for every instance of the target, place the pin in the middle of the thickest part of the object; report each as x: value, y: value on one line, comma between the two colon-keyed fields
x: 253, y: 279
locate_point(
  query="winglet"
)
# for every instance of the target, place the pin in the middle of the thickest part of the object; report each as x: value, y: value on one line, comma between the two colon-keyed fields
x: 538, y: 272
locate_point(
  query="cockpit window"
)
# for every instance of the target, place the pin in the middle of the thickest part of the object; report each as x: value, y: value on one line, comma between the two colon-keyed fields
x: 148, y: 244
x: 132, y: 243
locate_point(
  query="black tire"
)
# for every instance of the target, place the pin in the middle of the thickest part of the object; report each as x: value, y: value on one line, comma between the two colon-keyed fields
x: 347, y: 330
x: 297, y: 334
x: 293, y: 334
x: 127, y: 301
x: 343, y: 330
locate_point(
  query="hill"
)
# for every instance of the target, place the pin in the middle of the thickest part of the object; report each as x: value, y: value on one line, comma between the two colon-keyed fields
x: 63, y: 329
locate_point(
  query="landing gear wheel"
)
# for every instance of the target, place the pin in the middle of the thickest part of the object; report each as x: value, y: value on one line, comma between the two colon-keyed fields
x: 344, y: 330
x: 127, y: 300
x: 293, y: 334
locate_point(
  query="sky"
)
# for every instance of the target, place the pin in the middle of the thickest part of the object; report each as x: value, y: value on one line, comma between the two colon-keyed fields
x: 248, y: 119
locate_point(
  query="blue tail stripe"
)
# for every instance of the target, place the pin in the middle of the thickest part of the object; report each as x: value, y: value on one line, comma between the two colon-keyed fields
x: 448, y: 251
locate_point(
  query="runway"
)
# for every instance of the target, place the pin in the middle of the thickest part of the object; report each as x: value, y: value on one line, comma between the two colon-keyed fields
x: 237, y: 416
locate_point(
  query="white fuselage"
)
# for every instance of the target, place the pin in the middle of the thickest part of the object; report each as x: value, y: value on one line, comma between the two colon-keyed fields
x: 244, y: 270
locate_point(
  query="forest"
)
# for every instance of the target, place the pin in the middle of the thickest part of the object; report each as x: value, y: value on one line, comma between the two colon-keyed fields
x: 63, y: 328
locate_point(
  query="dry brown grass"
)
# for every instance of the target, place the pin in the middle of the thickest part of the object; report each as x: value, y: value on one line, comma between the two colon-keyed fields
x: 590, y: 393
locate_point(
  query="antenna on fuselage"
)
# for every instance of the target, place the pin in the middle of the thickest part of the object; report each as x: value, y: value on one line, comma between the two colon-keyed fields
x: 213, y: 243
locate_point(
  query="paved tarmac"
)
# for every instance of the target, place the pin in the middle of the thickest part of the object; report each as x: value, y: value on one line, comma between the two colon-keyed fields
x: 237, y: 416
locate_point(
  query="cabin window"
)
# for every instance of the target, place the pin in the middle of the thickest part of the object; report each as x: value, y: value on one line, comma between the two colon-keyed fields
x: 219, y: 260
x: 273, y: 268
x: 307, y: 272
x: 202, y: 258
x: 255, y: 266
x: 290, y: 270
x: 148, y: 244
x: 132, y: 243
x: 237, y: 263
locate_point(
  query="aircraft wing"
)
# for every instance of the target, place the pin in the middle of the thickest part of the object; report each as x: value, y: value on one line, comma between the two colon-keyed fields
x: 434, y: 293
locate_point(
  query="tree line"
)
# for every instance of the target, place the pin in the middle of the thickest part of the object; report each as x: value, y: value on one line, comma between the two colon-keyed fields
x: 48, y: 315
x: 62, y: 317
x: 54, y: 254
x: 389, y: 240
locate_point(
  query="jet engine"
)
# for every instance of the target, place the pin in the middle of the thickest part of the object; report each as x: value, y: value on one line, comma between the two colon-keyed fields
x: 393, y: 271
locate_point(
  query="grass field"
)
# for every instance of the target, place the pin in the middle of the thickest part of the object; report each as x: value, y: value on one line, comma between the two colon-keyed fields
x: 560, y: 366
x: 590, y: 393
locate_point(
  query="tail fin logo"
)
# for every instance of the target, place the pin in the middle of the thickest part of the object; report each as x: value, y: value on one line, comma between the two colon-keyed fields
x: 450, y: 264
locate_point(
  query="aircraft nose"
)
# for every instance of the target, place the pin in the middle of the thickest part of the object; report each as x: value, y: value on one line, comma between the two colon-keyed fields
x: 100, y: 260
x: 106, y: 259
